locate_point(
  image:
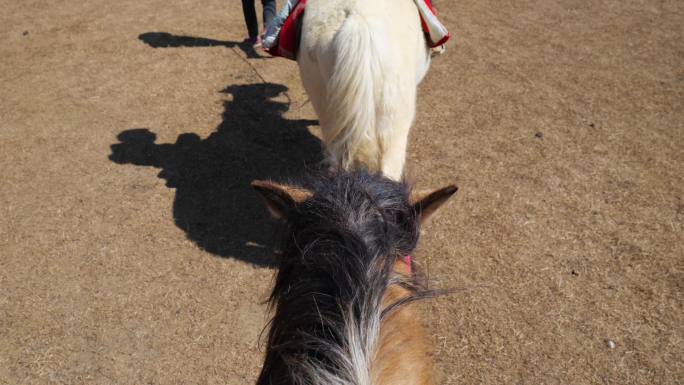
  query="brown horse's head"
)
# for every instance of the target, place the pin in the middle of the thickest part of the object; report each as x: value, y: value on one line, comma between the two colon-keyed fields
x: 343, y: 280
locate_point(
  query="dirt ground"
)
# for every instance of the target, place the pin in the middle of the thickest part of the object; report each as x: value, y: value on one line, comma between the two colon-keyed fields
x: 132, y: 250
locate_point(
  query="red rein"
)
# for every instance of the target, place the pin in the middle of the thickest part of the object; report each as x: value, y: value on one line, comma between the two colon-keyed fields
x: 407, y: 260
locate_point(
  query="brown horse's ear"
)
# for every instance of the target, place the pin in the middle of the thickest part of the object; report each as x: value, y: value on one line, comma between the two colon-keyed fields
x: 426, y: 203
x: 280, y: 198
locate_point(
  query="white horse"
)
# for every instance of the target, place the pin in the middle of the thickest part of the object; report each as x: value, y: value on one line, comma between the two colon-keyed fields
x: 360, y: 62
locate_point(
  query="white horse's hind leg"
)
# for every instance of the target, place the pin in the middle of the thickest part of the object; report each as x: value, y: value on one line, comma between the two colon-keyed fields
x: 394, y: 134
x: 314, y: 72
x: 398, y: 104
x: 394, y: 159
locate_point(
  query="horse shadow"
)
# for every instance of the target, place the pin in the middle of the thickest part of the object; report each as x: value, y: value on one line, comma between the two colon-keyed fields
x: 214, y: 203
x: 167, y: 40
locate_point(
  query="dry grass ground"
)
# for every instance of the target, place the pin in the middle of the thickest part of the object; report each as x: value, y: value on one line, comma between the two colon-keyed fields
x: 132, y: 251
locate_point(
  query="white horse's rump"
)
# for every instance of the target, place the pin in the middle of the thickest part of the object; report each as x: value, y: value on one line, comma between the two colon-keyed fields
x: 360, y: 62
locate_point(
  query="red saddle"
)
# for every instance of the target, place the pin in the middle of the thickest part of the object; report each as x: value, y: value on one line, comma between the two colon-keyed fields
x: 291, y: 32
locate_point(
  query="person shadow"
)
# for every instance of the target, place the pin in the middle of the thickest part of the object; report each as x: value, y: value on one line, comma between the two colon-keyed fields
x: 167, y: 40
x: 214, y: 203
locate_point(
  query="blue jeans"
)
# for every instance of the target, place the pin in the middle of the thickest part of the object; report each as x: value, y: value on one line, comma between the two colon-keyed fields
x: 249, y: 11
x: 273, y: 28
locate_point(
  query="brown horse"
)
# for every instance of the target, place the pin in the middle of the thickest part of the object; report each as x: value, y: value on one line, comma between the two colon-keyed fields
x: 344, y: 291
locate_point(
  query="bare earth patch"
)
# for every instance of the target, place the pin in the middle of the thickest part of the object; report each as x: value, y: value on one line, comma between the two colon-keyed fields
x: 132, y: 250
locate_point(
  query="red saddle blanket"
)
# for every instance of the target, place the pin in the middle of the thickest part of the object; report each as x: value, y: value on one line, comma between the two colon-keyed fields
x: 291, y: 32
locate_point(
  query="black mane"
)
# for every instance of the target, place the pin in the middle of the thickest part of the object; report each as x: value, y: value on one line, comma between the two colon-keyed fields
x: 338, y: 253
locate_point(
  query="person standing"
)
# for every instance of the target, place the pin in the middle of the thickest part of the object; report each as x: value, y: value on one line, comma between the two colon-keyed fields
x: 249, y: 11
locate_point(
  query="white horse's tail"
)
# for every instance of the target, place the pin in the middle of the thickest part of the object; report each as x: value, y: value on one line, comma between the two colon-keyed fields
x: 352, y: 93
